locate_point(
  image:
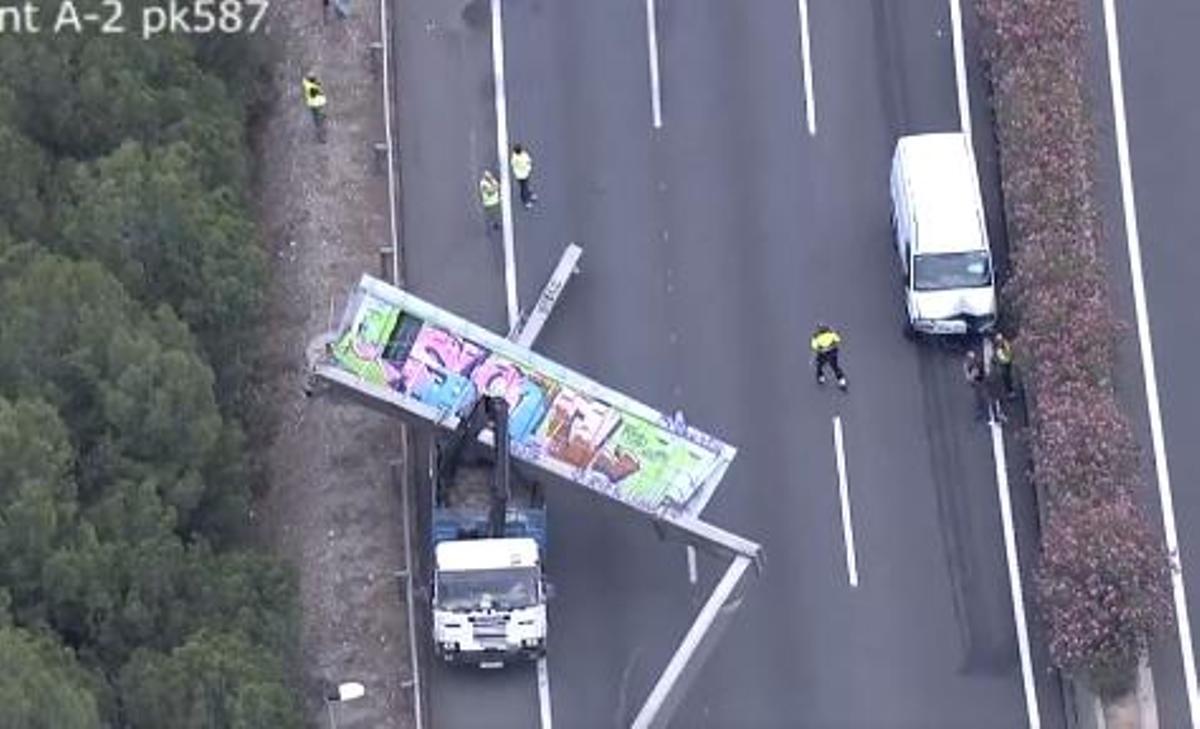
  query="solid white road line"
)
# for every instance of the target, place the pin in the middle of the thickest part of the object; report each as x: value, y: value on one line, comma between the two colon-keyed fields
x: 652, y: 41
x: 691, y: 562
x: 1146, y: 345
x: 997, y: 435
x: 510, y: 261
x: 960, y: 68
x: 1014, y: 576
x: 543, y: 684
x: 810, y: 108
x: 510, y: 258
x: 1006, y: 519
x: 839, y: 447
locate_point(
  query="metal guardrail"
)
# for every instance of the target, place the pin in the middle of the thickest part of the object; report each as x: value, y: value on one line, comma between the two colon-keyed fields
x: 381, y: 61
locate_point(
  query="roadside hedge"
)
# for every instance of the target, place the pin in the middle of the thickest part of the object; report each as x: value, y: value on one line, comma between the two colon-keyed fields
x: 1103, y: 581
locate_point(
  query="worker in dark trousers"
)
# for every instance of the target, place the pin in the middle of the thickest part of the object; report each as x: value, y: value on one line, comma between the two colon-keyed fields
x: 489, y: 197
x: 977, y: 378
x: 825, y: 342
x: 522, y: 169
x: 1002, y: 362
x: 994, y: 389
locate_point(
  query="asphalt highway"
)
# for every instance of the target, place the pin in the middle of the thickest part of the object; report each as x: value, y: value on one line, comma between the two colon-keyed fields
x: 1159, y: 57
x: 711, y: 248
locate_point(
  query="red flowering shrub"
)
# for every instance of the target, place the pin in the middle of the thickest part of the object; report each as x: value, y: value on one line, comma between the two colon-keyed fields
x: 1104, y: 577
x: 1082, y: 446
x: 1104, y: 588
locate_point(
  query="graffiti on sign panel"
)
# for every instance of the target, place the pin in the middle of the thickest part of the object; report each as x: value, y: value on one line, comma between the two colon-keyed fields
x: 644, y: 462
x: 528, y: 395
x: 576, y: 426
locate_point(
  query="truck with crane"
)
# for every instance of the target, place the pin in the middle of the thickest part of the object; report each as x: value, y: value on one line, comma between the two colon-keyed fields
x: 405, y: 356
x: 489, y: 535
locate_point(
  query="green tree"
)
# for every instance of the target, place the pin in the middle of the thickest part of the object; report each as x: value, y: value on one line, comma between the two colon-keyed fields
x: 214, y: 681
x: 174, y: 225
x: 242, y: 592
x: 127, y: 253
x: 243, y: 61
x: 81, y: 94
x: 37, y: 495
x: 24, y: 173
x: 169, y: 236
x: 129, y: 582
x: 139, y: 405
x: 41, y: 686
x: 109, y: 597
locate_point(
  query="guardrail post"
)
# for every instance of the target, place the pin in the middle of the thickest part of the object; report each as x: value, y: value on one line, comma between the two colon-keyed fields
x: 385, y: 259
x: 376, y: 58
x: 380, y: 157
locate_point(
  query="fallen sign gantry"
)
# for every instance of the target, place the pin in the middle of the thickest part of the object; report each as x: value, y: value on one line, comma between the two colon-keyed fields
x: 400, y: 353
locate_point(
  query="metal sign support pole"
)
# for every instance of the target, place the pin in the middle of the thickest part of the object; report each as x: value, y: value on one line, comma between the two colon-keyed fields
x: 528, y: 329
x: 664, y: 698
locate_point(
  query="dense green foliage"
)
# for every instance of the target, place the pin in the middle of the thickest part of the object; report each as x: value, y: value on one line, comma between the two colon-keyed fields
x: 138, y: 155
x: 42, y: 687
x: 1104, y: 578
x: 210, y: 681
x: 131, y: 283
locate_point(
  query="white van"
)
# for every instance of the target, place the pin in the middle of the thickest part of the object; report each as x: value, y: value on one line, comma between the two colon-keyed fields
x: 941, y: 236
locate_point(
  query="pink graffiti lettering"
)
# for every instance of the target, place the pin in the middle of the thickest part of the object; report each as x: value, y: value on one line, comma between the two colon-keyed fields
x: 499, y: 377
x: 441, y: 349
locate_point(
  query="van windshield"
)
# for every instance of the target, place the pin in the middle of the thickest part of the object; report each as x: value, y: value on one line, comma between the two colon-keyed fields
x: 938, y: 272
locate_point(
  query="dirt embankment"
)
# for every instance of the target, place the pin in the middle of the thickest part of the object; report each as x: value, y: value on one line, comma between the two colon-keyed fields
x: 331, y: 508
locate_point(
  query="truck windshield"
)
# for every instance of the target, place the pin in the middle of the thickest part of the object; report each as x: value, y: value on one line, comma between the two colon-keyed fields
x: 505, y: 589
x: 938, y: 272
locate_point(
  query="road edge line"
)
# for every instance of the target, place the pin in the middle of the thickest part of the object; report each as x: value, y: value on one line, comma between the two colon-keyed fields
x: 1146, y: 347
x: 1014, y: 576
x: 543, y: 684
x: 960, y: 67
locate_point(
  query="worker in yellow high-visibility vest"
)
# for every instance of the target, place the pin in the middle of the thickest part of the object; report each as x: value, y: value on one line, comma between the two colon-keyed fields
x: 489, y: 196
x: 522, y: 169
x: 314, y: 98
x: 825, y: 342
x: 1002, y: 358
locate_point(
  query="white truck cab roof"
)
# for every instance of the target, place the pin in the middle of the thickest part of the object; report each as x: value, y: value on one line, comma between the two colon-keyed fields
x: 486, y: 554
x: 937, y: 172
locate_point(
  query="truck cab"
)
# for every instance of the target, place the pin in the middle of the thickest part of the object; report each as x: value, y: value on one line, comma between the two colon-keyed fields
x: 489, y: 601
x: 941, y: 236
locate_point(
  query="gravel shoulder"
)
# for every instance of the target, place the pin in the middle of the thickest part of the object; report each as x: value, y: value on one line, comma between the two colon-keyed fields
x: 331, y: 509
